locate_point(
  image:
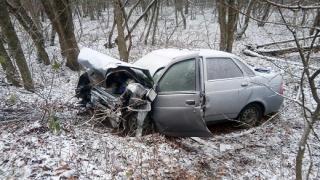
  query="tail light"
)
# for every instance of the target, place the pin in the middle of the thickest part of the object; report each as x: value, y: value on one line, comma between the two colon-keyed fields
x: 281, y: 88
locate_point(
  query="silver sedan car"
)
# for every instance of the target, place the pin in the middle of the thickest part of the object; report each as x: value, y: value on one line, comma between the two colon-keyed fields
x: 190, y: 87
x: 195, y: 87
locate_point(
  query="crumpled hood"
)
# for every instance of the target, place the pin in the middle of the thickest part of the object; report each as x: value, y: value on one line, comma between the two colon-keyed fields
x: 91, y: 59
x: 105, y: 65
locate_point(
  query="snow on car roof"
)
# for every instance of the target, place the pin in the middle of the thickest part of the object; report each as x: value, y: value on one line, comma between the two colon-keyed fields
x: 162, y: 57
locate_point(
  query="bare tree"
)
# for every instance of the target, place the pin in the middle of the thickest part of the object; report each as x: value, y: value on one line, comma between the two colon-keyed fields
x: 14, y: 45
x: 228, y: 23
x: 119, y: 20
x: 246, y: 19
x: 151, y: 20
x: 179, y: 10
x: 12, y: 74
x: 60, y: 14
x: 155, y: 26
x: 31, y: 28
x: 265, y: 15
x: 307, y: 80
x: 316, y: 23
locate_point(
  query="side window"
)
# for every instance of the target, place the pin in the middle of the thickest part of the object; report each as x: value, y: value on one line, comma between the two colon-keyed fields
x: 222, y: 68
x: 245, y: 68
x: 179, y: 77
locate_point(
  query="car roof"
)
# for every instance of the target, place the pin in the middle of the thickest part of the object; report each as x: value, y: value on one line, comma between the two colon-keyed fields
x: 162, y: 57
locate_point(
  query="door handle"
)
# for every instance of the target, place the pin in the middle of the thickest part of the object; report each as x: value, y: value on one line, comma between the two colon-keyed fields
x: 244, y: 84
x: 190, y: 102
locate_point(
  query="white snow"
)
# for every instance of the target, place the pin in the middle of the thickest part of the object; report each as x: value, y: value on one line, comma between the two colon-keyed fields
x: 28, y: 150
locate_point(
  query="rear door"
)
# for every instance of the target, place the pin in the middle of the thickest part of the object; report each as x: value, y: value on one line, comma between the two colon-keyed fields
x: 177, y: 110
x: 227, y: 88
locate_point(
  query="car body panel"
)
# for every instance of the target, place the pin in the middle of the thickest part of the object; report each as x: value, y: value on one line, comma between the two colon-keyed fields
x: 225, y: 97
x: 173, y: 112
x: 174, y: 117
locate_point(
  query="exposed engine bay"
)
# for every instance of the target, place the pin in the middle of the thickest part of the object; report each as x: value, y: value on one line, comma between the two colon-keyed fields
x: 120, y: 95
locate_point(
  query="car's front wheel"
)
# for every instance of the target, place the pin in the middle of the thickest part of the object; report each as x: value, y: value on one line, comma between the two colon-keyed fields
x: 250, y: 115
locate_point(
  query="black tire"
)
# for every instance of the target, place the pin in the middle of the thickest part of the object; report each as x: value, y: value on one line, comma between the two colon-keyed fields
x: 250, y: 115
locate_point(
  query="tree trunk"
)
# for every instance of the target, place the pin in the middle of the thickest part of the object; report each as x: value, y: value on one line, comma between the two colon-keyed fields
x: 186, y: 7
x: 301, y: 150
x: 232, y: 24
x: 33, y: 8
x: 52, y: 36
x: 179, y: 9
x: 14, y: 46
x: 48, y: 8
x: 246, y: 20
x: 316, y: 23
x: 91, y: 9
x: 6, y: 64
x: 145, y: 12
x: 60, y: 15
x: 121, y: 42
x: 109, y: 44
x: 143, y: 7
x: 228, y: 23
x: 155, y: 25
x: 150, y: 25
x: 223, y: 23
x: 265, y: 15
x: 28, y: 24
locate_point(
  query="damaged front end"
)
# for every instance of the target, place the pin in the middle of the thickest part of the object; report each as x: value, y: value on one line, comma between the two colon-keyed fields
x: 118, y: 92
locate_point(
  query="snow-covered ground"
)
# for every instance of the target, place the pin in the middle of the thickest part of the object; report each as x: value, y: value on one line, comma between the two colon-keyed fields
x: 29, y: 150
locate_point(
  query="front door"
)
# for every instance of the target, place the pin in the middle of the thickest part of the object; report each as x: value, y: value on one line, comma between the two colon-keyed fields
x: 177, y: 110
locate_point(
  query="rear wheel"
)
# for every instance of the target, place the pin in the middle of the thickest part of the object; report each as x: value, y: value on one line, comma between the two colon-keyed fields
x: 250, y: 115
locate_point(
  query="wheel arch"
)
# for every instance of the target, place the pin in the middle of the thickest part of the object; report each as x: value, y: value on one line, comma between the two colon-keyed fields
x: 259, y: 103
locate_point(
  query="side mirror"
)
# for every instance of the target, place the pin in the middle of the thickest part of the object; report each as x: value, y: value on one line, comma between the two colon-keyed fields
x: 156, y: 88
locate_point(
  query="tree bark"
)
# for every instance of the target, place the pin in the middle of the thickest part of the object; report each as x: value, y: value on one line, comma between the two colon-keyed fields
x: 186, y: 7
x: 246, y: 20
x: 232, y: 24
x: 228, y: 23
x: 150, y: 25
x: 14, y: 46
x: 143, y: 7
x: 266, y: 12
x: 121, y: 42
x: 48, y: 8
x: 223, y: 23
x: 179, y: 9
x: 31, y: 28
x: 109, y: 44
x: 316, y: 23
x: 155, y: 25
x: 60, y: 15
x: 7, y: 65
x: 52, y: 35
x: 145, y: 12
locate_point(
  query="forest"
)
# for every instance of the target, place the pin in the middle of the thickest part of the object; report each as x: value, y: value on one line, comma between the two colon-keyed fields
x: 45, y: 134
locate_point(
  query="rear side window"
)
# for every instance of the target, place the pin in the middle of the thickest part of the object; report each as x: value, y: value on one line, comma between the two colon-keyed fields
x: 245, y: 68
x: 222, y: 68
x: 179, y: 77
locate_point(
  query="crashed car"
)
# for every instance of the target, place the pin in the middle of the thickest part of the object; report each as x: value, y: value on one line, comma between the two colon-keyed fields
x: 180, y: 91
